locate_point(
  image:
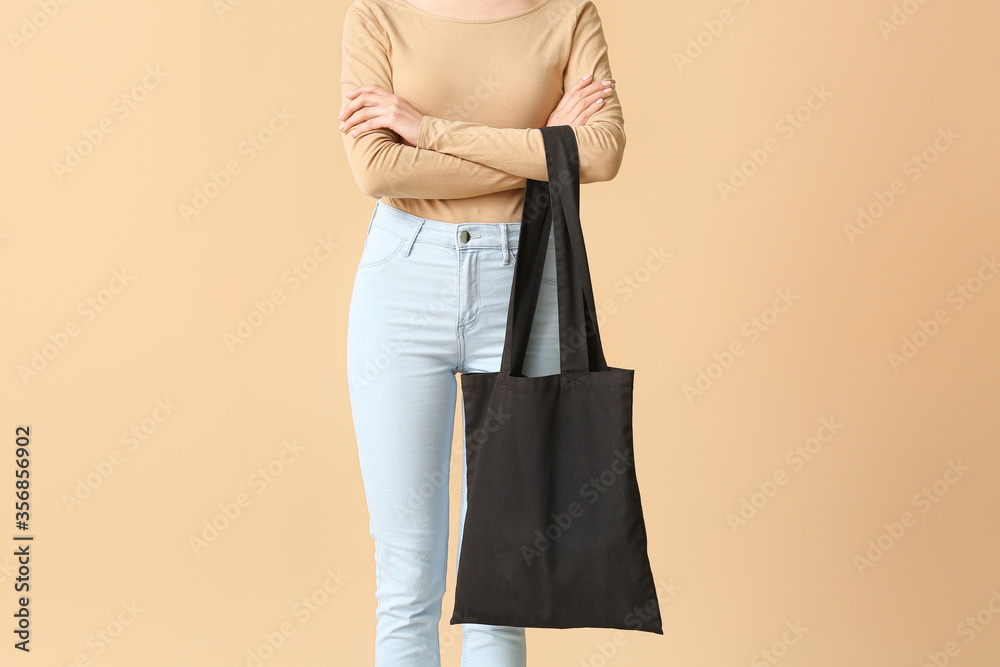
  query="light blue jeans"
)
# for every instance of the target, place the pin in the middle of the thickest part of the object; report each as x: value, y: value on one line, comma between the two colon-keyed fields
x: 429, y: 301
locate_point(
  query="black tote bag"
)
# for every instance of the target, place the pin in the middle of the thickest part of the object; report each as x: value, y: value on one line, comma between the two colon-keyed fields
x: 554, y: 535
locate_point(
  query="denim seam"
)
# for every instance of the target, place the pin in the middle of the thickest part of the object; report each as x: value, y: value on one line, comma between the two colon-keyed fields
x: 459, y: 333
x: 368, y: 265
x: 413, y: 237
x: 505, y: 246
x: 473, y: 293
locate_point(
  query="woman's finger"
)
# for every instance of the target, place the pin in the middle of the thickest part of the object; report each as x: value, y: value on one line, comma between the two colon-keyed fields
x: 358, y: 117
x: 588, y: 111
x: 368, y: 99
x: 601, y: 94
x: 370, y: 88
x: 363, y: 96
x: 373, y: 123
x: 571, y: 94
x: 350, y: 109
x: 580, y: 83
x: 588, y: 95
x: 583, y: 103
x: 355, y: 130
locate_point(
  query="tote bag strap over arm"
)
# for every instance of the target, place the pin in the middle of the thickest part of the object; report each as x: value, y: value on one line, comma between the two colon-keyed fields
x: 555, y: 202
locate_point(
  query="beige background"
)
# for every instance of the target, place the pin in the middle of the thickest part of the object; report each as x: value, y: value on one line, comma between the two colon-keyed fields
x: 113, y: 515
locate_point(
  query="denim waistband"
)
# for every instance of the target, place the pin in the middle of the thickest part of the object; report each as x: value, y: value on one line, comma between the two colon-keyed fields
x: 438, y: 232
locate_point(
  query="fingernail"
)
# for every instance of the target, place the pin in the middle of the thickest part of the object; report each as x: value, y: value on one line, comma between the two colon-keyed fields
x: 606, y: 82
x: 587, y: 76
x: 607, y: 90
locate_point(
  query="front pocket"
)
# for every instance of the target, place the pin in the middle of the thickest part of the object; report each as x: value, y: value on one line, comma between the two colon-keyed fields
x: 380, y: 246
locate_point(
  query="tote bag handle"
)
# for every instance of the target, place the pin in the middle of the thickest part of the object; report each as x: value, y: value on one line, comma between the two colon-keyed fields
x: 547, y: 203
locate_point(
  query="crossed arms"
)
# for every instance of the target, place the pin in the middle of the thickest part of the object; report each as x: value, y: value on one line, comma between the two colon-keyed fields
x: 457, y: 159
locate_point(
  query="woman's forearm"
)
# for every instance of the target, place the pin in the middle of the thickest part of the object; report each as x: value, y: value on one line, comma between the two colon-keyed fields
x: 383, y: 167
x: 600, y: 143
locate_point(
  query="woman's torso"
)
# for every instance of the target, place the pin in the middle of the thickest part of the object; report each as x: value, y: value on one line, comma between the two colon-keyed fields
x: 504, y: 73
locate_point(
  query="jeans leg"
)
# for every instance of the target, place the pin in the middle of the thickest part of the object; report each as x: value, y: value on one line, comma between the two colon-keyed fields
x: 401, y: 356
x: 492, y: 645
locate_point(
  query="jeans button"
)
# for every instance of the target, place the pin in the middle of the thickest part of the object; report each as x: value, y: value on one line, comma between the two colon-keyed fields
x: 464, y: 236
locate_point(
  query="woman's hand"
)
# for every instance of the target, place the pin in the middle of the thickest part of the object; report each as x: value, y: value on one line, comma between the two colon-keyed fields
x: 580, y: 102
x: 372, y: 107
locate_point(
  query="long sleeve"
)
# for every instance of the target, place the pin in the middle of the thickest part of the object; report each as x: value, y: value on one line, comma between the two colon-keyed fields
x: 601, y: 141
x: 381, y: 165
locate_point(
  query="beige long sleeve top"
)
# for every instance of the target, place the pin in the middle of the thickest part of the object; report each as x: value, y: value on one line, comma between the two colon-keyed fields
x: 485, y: 86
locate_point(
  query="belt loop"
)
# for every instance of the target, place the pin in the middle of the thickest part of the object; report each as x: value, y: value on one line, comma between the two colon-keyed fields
x: 504, y: 244
x: 413, y: 237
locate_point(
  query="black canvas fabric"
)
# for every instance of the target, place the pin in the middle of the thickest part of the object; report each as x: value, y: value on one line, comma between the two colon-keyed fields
x: 554, y: 535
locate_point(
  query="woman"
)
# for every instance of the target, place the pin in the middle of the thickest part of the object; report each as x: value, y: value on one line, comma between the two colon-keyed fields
x: 443, y: 99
